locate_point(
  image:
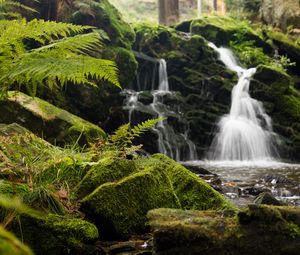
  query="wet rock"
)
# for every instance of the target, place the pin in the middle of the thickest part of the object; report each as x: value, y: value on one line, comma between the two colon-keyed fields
x: 180, y: 232
x: 276, y: 179
x: 198, y: 169
x: 266, y: 198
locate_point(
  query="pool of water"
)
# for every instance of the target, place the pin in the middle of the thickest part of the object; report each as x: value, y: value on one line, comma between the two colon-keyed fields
x: 242, y: 181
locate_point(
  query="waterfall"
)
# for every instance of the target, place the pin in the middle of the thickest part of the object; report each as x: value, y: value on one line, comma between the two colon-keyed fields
x: 170, y: 141
x: 245, y: 134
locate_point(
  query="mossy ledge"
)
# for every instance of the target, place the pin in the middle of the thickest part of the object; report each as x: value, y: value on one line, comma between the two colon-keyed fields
x: 46, y: 120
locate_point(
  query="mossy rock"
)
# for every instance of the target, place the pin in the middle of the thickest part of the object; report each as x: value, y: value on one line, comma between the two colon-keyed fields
x: 274, y: 87
x: 286, y: 47
x: 52, y: 123
x: 10, y: 245
x: 126, y: 63
x: 191, y: 190
x: 56, y: 235
x: 106, y: 170
x: 105, y: 16
x: 265, y: 230
x: 119, y: 208
x: 223, y: 29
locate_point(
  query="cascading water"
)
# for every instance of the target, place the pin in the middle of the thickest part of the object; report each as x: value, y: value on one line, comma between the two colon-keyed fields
x: 245, y: 134
x: 171, y: 142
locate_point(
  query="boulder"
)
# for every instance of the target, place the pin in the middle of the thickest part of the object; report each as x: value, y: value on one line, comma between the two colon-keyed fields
x: 256, y: 230
x: 56, y: 235
x: 102, y: 14
x: 10, y: 245
x: 266, y: 198
x: 192, y: 192
x: 106, y: 170
x: 52, y: 123
x: 26, y: 158
x: 119, y: 208
x: 223, y: 29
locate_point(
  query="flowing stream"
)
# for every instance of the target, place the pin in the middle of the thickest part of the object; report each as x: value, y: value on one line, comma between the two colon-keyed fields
x: 171, y: 141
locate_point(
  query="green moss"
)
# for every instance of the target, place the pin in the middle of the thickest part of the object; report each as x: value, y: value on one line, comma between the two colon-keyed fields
x: 10, y: 245
x: 192, y: 191
x: 9, y: 189
x: 268, y: 230
x: 47, y: 120
x: 222, y: 29
x: 106, y: 170
x: 126, y: 62
x: 120, y: 207
x: 54, y: 234
x: 107, y: 17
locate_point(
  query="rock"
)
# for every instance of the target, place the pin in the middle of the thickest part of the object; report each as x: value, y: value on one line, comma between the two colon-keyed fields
x: 198, y: 169
x: 119, y: 208
x: 223, y: 29
x: 105, y: 16
x: 286, y: 46
x: 179, y: 232
x: 191, y: 190
x: 266, y: 198
x: 56, y: 235
x: 273, y: 86
x: 10, y: 245
x: 106, y: 170
x: 46, y: 120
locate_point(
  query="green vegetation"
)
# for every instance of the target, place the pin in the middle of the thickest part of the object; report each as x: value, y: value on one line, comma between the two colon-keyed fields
x: 46, y: 53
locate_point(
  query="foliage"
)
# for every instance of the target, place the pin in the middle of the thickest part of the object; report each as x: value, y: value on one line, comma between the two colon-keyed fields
x: 43, y: 199
x: 122, y: 139
x: 250, y: 54
x: 10, y: 9
x: 44, y: 53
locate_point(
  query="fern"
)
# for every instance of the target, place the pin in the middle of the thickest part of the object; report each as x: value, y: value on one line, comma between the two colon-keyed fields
x: 10, y: 9
x: 62, y: 55
x: 123, y: 137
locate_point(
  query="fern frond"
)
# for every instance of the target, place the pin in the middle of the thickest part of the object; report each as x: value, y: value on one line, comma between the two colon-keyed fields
x: 13, y: 4
x: 80, y: 44
x: 63, y: 56
x: 54, y: 69
x: 124, y: 136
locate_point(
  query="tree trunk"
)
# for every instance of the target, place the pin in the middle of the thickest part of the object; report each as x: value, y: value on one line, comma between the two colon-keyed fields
x: 215, y: 5
x: 168, y: 11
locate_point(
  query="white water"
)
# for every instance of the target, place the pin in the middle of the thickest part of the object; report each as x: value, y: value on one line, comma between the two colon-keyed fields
x: 245, y: 134
x: 170, y: 142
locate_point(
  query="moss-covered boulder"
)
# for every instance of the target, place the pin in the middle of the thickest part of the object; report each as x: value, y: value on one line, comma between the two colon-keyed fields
x: 106, y: 170
x: 46, y: 120
x: 223, y: 29
x: 10, y: 245
x: 26, y: 158
x: 56, y: 235
x: 256, y: 230
x: 119, y: 208
x: 191, y: 190
x: 102, y: 14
